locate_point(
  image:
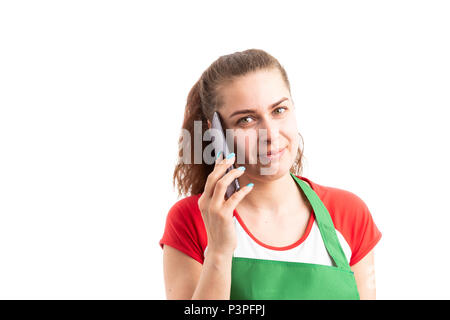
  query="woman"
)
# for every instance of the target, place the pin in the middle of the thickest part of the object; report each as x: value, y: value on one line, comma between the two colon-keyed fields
x: 281, y: 235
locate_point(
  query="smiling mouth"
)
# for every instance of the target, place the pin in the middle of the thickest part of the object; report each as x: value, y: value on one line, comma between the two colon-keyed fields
x: 273, y: 153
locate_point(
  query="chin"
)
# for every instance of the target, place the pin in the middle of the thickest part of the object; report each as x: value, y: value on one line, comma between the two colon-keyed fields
x: 275, y: 170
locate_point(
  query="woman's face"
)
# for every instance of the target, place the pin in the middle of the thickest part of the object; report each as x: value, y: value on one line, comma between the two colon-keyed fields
x: 259, y: 110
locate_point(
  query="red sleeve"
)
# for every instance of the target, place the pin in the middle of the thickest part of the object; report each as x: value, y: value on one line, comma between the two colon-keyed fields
x: 352, y: 218
x: 365, y: 233
x: 184, y: 229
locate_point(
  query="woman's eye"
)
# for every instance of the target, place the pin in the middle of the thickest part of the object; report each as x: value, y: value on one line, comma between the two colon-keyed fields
x: 242, y: 120
x: 280, y: 108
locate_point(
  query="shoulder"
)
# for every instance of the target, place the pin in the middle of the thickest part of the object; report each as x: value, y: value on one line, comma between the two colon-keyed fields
x: 340, y: 201
x: 185, y: 229
x: 186, y: 212
x: 186, y: 208
x: 337, y: 200
x: 351, y: 217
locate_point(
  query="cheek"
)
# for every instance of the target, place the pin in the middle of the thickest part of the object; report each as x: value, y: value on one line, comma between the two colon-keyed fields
x: 294, y: 143
x: 246, y: 146
x: 290, y: 132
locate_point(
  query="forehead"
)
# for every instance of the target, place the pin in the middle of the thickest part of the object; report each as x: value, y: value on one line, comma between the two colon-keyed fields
x: 254, y: 90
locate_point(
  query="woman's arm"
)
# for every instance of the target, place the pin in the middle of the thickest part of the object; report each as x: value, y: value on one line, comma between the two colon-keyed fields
x: 186, y: 278
x: 364, y: 272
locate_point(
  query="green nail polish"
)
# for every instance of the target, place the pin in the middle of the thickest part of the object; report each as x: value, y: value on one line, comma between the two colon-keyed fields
x: 218, y: 154
x: 231, y: 155
x: 250, y: 185
x: 241, y: 168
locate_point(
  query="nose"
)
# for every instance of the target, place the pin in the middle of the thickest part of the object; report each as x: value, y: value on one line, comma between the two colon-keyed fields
x: 269, y: 132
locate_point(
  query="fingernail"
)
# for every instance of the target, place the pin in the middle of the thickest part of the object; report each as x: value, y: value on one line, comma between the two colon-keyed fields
x: 250, y: 185
x: 241, y: 168
x: 231, y: 155
x: 218, y: 154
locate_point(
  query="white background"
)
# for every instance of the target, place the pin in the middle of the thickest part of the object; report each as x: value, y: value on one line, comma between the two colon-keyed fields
x: 92, y: 95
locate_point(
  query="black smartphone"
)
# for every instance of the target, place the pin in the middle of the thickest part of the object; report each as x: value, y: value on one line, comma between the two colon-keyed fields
x: 220, y: 144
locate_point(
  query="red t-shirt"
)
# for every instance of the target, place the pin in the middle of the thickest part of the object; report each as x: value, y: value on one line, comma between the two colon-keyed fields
x: 185, y: 230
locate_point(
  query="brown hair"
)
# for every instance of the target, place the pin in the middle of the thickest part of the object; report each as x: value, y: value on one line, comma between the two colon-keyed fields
x: 204, y: 99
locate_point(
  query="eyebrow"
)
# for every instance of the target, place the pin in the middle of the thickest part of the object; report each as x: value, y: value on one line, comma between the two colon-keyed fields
x: 253, y: 111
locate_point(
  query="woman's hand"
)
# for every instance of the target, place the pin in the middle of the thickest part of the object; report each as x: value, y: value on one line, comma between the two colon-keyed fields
x: 217, y: 212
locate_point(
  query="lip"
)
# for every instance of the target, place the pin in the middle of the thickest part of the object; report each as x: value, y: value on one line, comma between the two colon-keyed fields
x: 274, y: 155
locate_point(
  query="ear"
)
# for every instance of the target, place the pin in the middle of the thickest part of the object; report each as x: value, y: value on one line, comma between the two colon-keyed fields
x: 209, y: 124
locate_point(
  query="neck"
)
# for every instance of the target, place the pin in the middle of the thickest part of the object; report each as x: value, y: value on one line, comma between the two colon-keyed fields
x: 270, y: 196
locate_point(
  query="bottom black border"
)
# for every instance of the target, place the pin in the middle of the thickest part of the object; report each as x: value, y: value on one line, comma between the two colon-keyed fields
x: 220, y: 309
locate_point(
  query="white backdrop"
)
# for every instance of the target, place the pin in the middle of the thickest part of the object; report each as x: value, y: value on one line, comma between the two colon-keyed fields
x: 92, y: 95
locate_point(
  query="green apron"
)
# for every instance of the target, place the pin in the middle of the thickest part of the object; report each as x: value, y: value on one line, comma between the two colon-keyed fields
x: 259, y: 279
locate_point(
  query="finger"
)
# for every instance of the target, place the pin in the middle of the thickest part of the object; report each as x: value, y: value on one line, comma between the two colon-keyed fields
x: 218, y: 172
x: 209, y: 184
x: 219, y: 157
x: 223, y: 183
x: 237, y: 197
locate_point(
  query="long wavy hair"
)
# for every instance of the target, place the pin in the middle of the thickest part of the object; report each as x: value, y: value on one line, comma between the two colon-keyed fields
x: 204, y: 99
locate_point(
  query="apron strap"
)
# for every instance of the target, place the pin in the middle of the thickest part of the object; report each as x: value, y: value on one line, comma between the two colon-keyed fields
x: 326, y: 226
